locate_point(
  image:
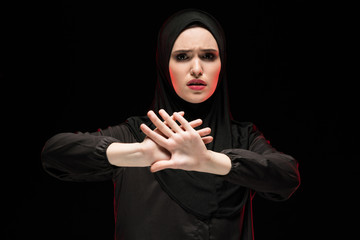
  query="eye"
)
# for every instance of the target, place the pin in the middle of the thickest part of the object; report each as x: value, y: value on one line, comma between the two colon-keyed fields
x: 208, y: 56
x: 182, y: 57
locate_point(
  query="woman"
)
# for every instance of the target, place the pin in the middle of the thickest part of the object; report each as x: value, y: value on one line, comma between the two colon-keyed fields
x: 172, y: 180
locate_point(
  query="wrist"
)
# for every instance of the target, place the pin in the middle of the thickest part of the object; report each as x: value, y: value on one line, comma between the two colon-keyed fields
x: 219, y: 162
x: 145, y: 152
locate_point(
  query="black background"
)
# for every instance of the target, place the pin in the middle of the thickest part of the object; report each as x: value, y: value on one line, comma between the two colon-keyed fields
x: 78, y: 66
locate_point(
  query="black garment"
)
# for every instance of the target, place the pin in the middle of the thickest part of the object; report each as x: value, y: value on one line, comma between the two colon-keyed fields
x: 144, y: 211
x: 177, y: 204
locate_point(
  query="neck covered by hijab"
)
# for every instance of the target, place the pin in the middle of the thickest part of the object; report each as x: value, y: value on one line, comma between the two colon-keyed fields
x: 202, y: 194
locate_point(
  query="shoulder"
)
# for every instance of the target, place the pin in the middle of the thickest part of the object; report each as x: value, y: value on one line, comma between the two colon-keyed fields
x: 244, y: 132
x: 136, y: 121
x: 133, y: 124
x: 128, y: 131
x: 120, y: 132
x: 244, y: 127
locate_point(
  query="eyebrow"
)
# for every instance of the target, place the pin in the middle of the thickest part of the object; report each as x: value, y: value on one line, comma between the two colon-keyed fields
x: 190, y: 50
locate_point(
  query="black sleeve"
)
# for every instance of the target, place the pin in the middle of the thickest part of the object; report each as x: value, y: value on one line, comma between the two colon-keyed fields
x: 82, y: 156
x: 271, y: 173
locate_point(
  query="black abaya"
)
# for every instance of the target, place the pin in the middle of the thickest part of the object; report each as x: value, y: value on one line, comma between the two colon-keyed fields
x: 144, y: 210
x: 176, y: 204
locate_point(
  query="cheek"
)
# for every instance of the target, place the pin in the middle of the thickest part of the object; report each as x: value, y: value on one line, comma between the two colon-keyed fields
x: 176, y: 74
x: 173, y: 77
x: 214, y: 71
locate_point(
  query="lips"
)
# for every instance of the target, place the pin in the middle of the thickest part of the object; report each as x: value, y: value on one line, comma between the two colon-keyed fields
x: 196, y: 84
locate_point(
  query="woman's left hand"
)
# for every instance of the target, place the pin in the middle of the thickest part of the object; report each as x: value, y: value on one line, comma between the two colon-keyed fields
x: 186, y: 145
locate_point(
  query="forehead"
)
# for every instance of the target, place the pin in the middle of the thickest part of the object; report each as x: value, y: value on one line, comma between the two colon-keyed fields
x: 195, y: 38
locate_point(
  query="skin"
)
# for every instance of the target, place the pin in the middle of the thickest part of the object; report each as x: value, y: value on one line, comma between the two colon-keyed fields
x: 185, y: 145
x: 195, y: 55
x: 144, y: 154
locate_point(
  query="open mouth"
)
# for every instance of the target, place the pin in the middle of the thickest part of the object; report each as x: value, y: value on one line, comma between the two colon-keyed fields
x: 196, y: 82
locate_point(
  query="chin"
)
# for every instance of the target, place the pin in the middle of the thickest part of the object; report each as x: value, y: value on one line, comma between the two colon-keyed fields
x: 196, y: 99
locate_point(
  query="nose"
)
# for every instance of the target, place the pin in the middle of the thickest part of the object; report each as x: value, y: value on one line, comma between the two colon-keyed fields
x: 196, y: 68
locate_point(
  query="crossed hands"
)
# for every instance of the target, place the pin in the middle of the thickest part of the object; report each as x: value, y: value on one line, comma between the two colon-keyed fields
x: 177, y: 146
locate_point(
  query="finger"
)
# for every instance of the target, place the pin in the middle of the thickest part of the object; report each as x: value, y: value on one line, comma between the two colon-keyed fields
x: 195, y: 123
x: 205, y: 131
x: 156, y: 137
x: 170, y: 121
x: 182, y: 113
x: 207, y: 139
x: 161, y: 165
x: 173, y: 118
x: 159, y: 124
x: 159, y: 132
x: 184, y: 123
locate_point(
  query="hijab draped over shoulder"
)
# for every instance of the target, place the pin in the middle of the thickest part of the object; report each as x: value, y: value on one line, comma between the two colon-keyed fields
x: 202, y: 194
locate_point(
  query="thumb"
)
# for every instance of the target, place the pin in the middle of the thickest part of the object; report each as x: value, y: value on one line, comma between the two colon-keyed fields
x: 161, y: 165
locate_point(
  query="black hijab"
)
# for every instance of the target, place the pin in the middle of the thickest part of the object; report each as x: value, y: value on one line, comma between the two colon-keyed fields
x: 202, y: 194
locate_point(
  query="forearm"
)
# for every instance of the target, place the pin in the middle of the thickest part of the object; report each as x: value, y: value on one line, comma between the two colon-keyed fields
x: 274, y: 173
x: 217, y: 163
x: 127, y: 155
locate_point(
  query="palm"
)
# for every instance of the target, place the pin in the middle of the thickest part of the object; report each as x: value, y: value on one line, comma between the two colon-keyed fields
x: 184, y: 143
x: 155, y: 150
x: 187, y: 150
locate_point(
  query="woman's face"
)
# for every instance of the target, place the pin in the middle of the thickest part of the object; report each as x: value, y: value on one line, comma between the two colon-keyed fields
x: 195, y: 65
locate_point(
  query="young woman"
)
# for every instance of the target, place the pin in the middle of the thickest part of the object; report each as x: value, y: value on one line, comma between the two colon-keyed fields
x: 173, y: 180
